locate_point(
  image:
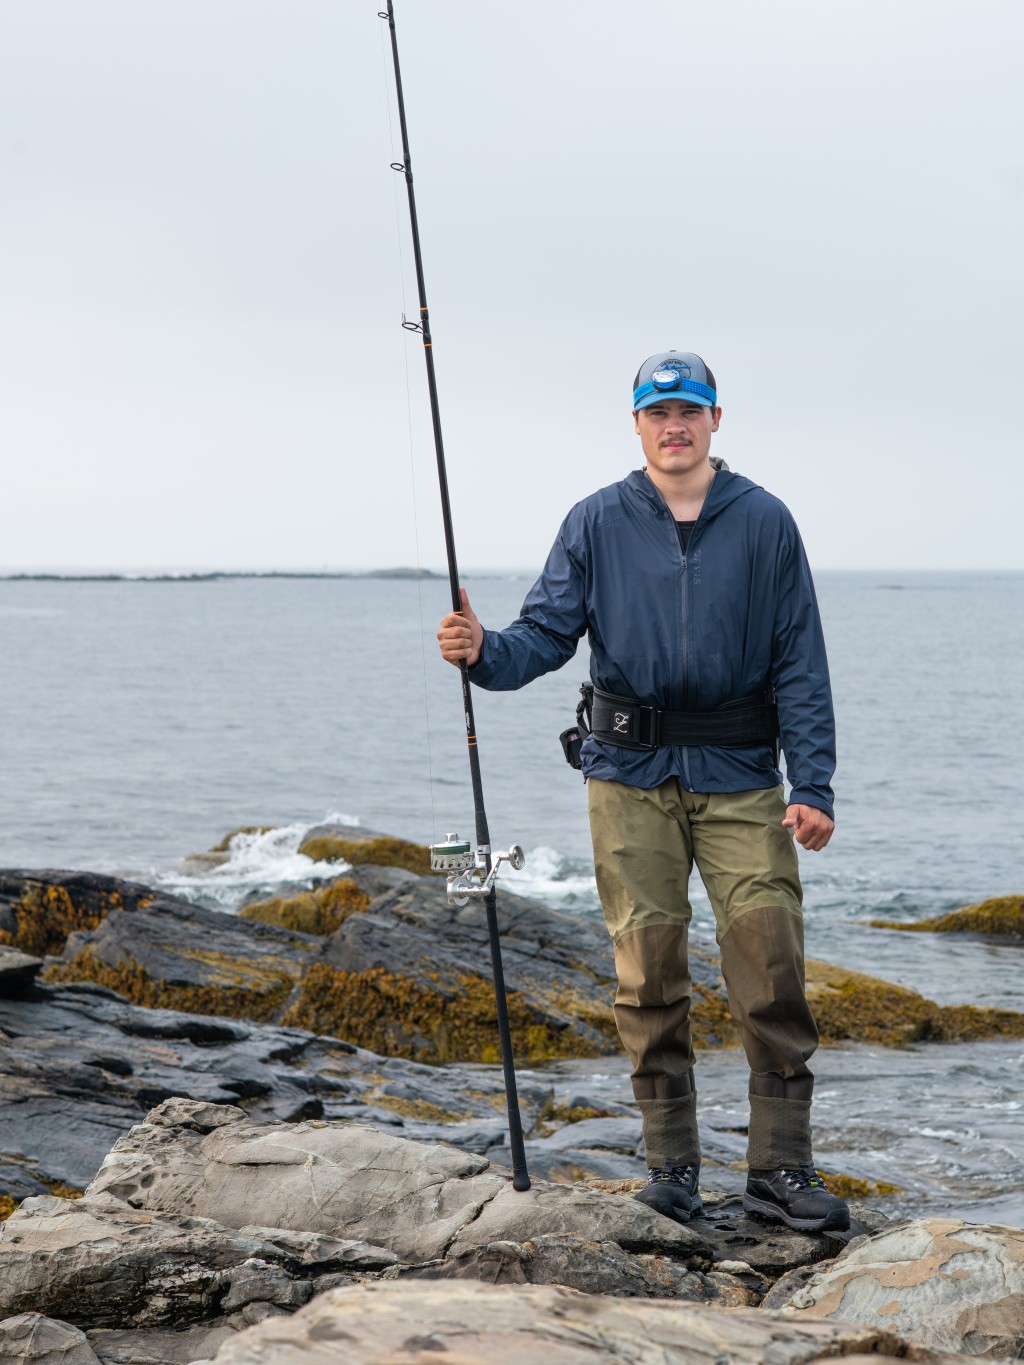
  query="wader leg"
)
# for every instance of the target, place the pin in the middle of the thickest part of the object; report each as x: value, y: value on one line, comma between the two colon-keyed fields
x: 652, y: 1014
x: 763, y: 966
x: 642, y: 861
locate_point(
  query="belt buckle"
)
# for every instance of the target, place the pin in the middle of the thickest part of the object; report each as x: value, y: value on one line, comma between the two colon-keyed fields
x: 653, y: 718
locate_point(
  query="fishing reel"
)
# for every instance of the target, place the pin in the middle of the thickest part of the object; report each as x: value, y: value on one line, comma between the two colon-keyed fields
x: 465, y: 868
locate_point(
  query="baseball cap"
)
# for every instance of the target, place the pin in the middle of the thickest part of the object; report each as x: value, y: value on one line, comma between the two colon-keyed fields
x: 674, y: 374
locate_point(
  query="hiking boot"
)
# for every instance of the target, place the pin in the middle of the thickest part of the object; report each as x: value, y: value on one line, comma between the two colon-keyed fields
x: 672, y: 1190
x: 799, y: 1198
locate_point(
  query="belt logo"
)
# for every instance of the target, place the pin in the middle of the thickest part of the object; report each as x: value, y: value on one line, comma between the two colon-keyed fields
x: 620, y: 723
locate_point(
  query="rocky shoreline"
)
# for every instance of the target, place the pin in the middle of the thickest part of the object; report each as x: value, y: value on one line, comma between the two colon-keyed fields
x: 288, y: 1133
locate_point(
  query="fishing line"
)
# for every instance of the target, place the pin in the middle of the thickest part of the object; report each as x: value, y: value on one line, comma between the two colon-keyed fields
x: 412, y: 455
x: 471, y: 875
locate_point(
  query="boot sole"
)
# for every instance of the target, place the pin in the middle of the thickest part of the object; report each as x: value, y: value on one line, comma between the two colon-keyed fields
x: 836, y: 1220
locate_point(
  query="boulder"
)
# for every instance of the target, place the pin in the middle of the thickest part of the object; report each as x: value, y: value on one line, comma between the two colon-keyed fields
x: 952, y: 1286
x: 419, y: 1201
x: 314, y: 1176
x: 34, y: 1339
x: 465, y: 1322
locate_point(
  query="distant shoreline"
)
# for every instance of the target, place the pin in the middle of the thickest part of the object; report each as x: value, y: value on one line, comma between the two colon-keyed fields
x: 214, y: 576
x: 895, y: 578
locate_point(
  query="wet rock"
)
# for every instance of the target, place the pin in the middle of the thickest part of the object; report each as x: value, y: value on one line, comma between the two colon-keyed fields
x: 174, y: 955
x: 851, y: 1006
x: 342, y: 844
x: 1002, y: 916
x: 598, y: 1134
x: 38, y: 910
x: 18, y: 971
x: 34, y: 1339
x: 524, y: 1323
x: 950, y: 1285
x: 324, y: 909
x: 770, y: 1248
x: 591, y: 1148
x: 80, y: 1065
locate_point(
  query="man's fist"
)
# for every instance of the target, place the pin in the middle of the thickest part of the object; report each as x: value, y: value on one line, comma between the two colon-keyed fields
x: 461, y: 635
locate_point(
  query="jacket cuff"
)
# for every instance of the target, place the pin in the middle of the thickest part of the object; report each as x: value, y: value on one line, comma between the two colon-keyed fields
x: 482, y: 671
x: 800, y: 796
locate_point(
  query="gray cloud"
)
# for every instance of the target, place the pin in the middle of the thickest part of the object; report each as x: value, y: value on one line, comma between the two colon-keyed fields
x: 199, y: 343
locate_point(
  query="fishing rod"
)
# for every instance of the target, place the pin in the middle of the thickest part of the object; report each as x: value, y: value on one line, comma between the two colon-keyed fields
x: 471, y: 875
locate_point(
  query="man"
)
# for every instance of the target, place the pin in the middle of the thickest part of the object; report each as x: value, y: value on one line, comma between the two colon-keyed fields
x: 706, y: 649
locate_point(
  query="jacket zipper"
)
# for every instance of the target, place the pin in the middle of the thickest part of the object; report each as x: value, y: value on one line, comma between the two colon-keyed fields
x: 685, y: 616
x: 685, y: 588
x: 687, y: 779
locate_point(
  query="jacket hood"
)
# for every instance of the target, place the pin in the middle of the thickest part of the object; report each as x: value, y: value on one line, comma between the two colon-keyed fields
x: 725, y: 488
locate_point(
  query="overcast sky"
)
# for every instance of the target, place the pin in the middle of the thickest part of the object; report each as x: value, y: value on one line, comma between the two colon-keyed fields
x: 201, y: 357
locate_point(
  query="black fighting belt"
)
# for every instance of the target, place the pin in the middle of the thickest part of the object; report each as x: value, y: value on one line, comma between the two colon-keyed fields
x: 633, y: 725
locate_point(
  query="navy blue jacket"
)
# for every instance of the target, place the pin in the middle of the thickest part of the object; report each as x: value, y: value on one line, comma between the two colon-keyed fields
x: 733, y: 615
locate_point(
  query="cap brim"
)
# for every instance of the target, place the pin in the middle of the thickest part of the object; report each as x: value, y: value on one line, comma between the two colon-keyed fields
x: 673, y: 396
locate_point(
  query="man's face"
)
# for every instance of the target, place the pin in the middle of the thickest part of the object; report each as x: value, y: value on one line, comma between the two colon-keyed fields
x: 675, y: 435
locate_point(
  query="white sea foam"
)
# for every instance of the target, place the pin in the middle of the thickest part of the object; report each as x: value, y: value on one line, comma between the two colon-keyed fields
x: 257, y: 863
x: 551, y: 877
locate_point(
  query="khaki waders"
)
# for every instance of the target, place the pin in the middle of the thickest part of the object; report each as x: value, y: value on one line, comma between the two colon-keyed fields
x: 646, y: 842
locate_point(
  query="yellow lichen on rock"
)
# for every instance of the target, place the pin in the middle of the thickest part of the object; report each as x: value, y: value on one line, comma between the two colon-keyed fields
x: 1001, y: 915
x: 135, y: 984
x: 311, y: 912
x: 47, y: 914
x: 421, y: 1110
x: 402, y: 1017
x: 851, y: 1187
x: 710, y: 1020
x: 381, y: 851
x: 852, y: 1007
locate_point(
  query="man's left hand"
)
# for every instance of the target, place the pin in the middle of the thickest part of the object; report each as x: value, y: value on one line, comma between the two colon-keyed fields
x: 811, y: 827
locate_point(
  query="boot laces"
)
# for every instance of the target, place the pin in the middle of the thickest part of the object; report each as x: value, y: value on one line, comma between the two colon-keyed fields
x: 675, y: 1175
x: 800, y: 1179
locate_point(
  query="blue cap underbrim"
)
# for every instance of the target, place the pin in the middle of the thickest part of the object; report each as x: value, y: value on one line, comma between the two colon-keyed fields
x: 673, y: 396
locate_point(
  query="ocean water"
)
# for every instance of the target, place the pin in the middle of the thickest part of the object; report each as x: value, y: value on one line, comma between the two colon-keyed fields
x: 143, y: 720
